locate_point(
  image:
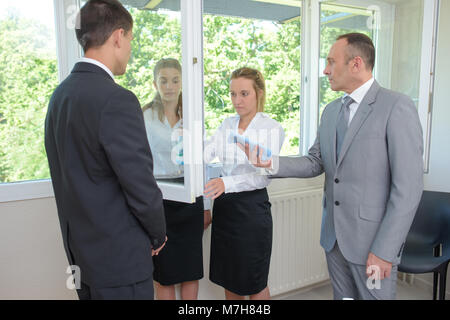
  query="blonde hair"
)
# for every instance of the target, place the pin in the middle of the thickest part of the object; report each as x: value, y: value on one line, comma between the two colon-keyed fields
x: 259, y: 83
x: 156, y: 104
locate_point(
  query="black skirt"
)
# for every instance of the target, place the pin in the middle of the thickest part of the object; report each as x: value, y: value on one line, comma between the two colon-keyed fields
x: 241, y: 241
x: 181, y: 259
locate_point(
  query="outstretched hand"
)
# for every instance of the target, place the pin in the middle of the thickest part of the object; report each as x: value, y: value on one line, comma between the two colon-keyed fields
x: 255, y: 156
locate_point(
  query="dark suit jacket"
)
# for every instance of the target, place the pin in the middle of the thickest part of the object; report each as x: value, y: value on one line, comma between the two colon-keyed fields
x: 109, y: 205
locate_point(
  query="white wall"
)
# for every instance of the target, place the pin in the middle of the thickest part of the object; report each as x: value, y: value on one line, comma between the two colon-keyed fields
x: 438, y: 178
x: 33, y: 262
x: 32, y: 259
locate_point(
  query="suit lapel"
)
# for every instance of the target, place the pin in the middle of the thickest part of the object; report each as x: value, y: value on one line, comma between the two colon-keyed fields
x: 334, y: 119
x: 361, y: 115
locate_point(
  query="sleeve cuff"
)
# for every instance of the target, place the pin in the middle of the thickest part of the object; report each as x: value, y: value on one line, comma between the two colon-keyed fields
x: 207, y: 203
x: 228, y: 183
x: 156, y: 243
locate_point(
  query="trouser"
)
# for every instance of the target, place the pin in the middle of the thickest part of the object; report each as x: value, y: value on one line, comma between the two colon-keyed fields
x: 349, y: 280
x: 138, y: 291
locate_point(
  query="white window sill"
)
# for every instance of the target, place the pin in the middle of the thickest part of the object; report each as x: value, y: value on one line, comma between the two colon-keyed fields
x: 26, y: 190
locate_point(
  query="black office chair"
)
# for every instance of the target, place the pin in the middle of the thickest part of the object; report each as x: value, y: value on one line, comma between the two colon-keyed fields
x: 427, y: 247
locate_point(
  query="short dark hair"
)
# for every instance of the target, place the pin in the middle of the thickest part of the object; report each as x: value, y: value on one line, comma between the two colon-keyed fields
x: 360, y: 45
x: 98, y: 19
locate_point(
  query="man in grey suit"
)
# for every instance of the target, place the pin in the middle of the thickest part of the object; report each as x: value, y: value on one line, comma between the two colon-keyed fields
x: 369, y: 144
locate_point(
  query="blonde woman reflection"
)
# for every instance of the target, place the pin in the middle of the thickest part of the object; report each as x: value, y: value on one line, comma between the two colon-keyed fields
x: 182, y: 260
x: 241, y: 237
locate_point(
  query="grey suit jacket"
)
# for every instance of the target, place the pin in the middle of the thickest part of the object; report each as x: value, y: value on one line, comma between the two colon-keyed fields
x: 372, y: 192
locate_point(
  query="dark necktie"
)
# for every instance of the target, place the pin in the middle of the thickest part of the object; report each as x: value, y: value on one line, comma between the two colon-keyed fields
x: 342, y: 124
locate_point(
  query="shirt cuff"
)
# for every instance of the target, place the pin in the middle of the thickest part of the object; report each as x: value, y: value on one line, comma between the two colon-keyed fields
x: 228, y: 183
x: 207, y: 203
x: 274, y: 165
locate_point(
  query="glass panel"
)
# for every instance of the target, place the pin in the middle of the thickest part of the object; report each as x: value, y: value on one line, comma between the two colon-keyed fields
x: 407, y: 47
x: 396, y: 30
x: 265, y: 35
x: 336, y: 20
x: 154, y: 74
x: 28, y: 77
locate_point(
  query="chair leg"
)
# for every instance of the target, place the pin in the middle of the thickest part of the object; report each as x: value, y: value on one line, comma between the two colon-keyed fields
x: 442, y: 281
x: 435, y: 284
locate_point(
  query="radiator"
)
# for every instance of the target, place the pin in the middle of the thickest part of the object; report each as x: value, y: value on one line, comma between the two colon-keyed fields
x: 297, y: 260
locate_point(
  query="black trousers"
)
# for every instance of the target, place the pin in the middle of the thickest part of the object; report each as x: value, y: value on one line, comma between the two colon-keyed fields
x: 138, y: 291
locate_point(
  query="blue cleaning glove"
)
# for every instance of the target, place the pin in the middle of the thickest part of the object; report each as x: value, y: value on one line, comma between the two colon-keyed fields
x: 237, y: 138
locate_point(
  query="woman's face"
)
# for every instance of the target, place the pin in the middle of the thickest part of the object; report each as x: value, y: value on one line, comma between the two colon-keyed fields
x: 168, y: 84
x: 243, y: 96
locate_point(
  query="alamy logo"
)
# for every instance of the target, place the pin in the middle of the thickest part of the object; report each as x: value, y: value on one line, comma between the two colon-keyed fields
x: 73, y: 18
x: 373, y: 282
x: 74, y: 280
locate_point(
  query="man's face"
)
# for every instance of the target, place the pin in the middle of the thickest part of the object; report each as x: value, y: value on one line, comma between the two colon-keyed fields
x: 337, y: 69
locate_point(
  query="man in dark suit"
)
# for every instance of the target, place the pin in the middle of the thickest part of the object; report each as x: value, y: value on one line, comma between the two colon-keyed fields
x: 109, y: 205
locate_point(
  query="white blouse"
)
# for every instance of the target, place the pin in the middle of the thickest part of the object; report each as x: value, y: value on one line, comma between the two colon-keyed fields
x: 166, y: 144
x: 238, y: 174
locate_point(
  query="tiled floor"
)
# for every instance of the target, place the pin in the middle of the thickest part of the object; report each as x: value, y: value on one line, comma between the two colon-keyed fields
x: 324, y: 291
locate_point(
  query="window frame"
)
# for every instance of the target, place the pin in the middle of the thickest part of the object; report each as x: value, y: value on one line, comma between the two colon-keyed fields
x: 68, y: 52
x: 310, y: 108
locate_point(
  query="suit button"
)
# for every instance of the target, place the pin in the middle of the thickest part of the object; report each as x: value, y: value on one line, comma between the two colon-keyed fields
x: 336, y: 180
x: 337, y: 203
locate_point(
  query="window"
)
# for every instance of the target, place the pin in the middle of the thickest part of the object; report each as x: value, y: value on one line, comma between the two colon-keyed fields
x: 403, y: 33
x: 265, y: 35
x: 157, y: 35
x: 286, y: 39
x: 394, y: 29
x: 28, y: 77
x: 336, y: 20
x: 164, y: 30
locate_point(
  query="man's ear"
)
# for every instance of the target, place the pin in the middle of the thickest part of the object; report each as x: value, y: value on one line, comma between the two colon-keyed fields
x: 358, y: 63
x: 117, y: 36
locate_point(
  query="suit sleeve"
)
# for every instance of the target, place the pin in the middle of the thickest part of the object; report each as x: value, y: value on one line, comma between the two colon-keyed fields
x: 405, y: 149
x: 299, y: 167
x: 123, y: 136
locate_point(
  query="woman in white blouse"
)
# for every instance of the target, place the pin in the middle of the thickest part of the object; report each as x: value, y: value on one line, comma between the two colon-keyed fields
x: 181, y: 261
x: 241, y: 238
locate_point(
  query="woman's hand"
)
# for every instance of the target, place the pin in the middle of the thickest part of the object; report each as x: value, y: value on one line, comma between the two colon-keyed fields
x: 207, y: 219
x: 214, y: 188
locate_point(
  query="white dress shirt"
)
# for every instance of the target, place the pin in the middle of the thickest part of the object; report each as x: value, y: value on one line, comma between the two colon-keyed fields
x: 237, y: 172
x: 357, y: 96
x: 99, y: 64
x: 166, y: 144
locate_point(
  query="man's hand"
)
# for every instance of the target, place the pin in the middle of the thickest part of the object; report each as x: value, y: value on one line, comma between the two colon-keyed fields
x: 255, y: 156
x: 156, y: 252
x: 376, y: 264
x: 207, y: 219
x: 214, y: 188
